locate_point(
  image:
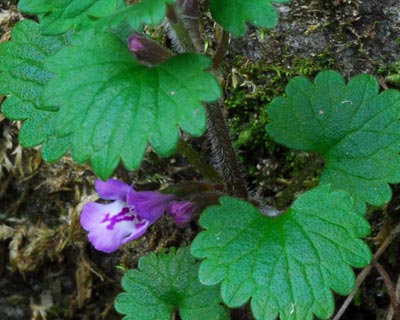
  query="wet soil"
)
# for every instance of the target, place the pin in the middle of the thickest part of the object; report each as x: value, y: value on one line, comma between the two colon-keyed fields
x: 48, y: 270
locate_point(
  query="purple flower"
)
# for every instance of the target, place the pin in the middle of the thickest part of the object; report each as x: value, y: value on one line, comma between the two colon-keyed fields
x: 181, y: 211
x: 149, y: 205
x: 125, y: 219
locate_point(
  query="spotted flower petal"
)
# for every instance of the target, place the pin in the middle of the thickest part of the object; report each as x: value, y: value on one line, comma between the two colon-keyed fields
x: 112, y: 225
x: 149, y: 205
x: 129, y: 215
x: 112, y: 189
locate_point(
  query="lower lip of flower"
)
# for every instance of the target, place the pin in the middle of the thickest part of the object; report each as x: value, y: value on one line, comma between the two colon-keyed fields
x: 125, y: 215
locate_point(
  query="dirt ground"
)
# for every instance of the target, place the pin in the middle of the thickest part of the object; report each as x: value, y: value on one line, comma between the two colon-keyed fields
x: 48, y: 270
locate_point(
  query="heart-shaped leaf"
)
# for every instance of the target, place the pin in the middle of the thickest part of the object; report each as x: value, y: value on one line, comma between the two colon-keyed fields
x: 233, y: 14
x: 22, y: 78
x: 286, y: 265
x: 149, y: 12
x: 353, y: 127
x: 58, y: 16
x: 113, y: 107
x: 165, y: 283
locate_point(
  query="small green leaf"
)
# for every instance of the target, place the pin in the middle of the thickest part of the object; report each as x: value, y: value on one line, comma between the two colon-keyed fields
x: 165, y: 283
x: 233, y: 14
x: 58, y: 16
x: 286, y: 264
x: 22, y: 79
x: 149, y: 12
x: 113, y: 107
x: 352, y: 126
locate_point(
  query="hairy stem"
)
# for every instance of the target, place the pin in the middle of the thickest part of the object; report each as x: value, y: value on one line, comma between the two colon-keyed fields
x: 197, y: 160
x: 191, y: 18
x: 178, y: 32
x: 185, y: 189
x: 223, y: 151
x: 225, y: 156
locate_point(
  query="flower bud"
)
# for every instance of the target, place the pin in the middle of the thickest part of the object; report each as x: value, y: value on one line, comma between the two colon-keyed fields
x: 147, y: 51
x: 181, y: 211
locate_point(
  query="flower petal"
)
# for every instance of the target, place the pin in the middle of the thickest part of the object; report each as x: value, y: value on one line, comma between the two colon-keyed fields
x: 149, y: 205
x: 112, y: 189
x: 111, y: 225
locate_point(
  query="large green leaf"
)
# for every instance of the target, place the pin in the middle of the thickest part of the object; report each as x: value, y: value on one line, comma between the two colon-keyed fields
x: 22, y: 79
x: 58, y: 16
x: 165, y: 283
x: 354, y: 128
x: 149, y: 12
x: 286, y: 264
x: 112, y: 106
x: 233, y: 14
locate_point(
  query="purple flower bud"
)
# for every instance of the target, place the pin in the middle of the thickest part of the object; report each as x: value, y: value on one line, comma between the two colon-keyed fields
x: 181, y: 211
x: 135, y: 43
x: 148, y: 51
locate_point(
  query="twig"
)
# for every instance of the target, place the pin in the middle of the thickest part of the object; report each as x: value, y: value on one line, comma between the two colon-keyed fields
x: 360, y: 279
x: 389, y: 286
x: 389, y: 315
x: 363, y: 274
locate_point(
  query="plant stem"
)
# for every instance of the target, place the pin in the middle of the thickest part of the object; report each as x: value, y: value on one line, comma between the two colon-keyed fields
x: 197, y: 160
x: 186, y: 189
x: 221, y: 50
x: 191, y: 18
x: 178, y: 32
x: 224, y: 154
x: 218, y: 133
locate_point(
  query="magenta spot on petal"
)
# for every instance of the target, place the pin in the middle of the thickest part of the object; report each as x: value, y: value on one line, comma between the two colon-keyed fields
x: 139, y: 225
x: 122, y: 216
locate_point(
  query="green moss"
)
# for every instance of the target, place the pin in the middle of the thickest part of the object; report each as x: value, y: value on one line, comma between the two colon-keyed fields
x: 257, y: 84
x: 391, y: 73
x: 311, y: 66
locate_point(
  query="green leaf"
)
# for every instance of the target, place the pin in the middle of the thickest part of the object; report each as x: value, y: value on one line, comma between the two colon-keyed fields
x: 149, y: 12
x: 232, y: 15
x: 112, y: 106
x: 285, y: 264
x: 353, y: 127
x: 22, y: 79
x: 58, y: 16
x: 164, y: 283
